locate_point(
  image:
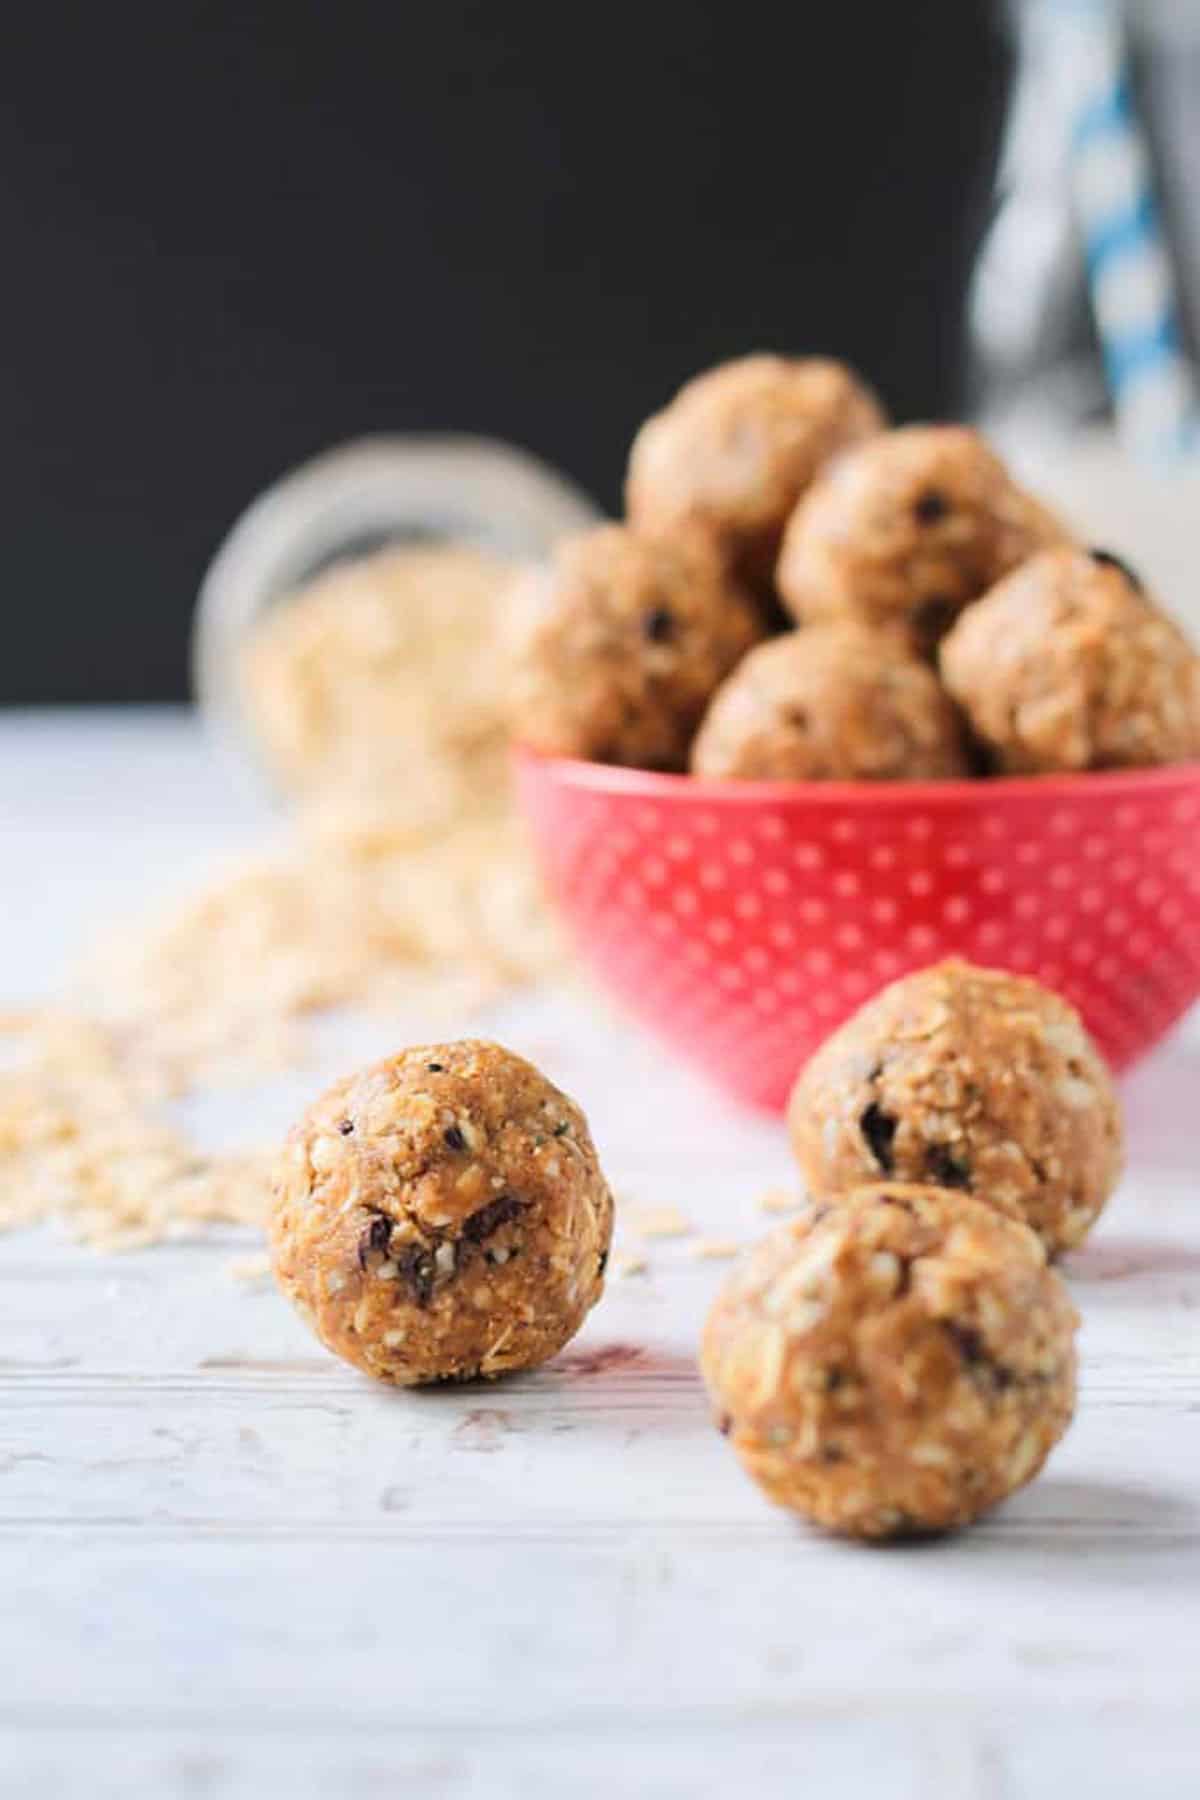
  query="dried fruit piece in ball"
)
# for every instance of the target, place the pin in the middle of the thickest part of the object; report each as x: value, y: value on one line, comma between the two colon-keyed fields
x: 442, y: 1215
x: 834, y: 703
x: 1068, y: 664
x: 905, y: 531
x: 895, y: 1362
x: 965, y: 1078
x: 732, y: 453
x: 624, y: 640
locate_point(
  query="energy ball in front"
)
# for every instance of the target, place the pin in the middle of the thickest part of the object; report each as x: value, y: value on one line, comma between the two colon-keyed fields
x: 442, y: 1215
x: 894, y: 1362
x: 966, y: 1078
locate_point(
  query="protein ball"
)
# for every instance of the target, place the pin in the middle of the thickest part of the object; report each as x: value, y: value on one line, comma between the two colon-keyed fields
x: 442, y: 1215
x: 895, y: 1363
x: 738, y: 445
x: 835, y: 703
x: 905, y: 531
x: 624, y: 640
x: 1067, y: 664
x: 965, y: 1078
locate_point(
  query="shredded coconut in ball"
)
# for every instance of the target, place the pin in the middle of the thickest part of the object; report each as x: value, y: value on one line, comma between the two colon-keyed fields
x: 897, y: 1361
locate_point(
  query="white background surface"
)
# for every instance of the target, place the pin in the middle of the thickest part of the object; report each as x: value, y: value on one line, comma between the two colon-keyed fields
x: 230, y: 1567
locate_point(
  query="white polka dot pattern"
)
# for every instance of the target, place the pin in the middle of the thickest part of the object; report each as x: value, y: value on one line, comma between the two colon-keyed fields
x: 743, y: 930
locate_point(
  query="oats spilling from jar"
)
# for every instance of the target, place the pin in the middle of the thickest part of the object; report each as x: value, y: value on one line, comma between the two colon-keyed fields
x: 386, y: 676
x: 400, y: 879
x: 352, y: 911
x: 377, y: 698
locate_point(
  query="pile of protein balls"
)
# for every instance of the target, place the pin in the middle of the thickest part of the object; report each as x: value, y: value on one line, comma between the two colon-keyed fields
x: 896, y: 1359
x: 949, y: 625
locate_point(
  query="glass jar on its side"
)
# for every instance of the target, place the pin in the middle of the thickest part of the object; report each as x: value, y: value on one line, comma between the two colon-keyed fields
x: 374, y: 494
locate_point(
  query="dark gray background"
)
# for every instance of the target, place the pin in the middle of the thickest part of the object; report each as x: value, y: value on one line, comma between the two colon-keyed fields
x: 234, y: 234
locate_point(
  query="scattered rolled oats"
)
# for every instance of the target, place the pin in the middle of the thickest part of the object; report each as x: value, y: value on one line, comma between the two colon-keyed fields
x: 82, y: 1140
x: 714, y: 1249
x: 655, y: 1221
x: 402, y: 876
x: 779, y: 1200
x: 626, y: 1264
x: 252, y: 1271
x: 356, y: 909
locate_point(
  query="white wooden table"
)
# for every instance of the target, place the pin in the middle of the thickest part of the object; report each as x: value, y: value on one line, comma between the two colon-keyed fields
x: 231, y: 1567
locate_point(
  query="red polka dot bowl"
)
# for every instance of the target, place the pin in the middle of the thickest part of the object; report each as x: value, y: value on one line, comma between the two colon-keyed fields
x: 743, y: 921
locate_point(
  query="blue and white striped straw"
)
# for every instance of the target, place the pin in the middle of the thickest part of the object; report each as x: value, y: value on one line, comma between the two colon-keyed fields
x: 1132, y: 288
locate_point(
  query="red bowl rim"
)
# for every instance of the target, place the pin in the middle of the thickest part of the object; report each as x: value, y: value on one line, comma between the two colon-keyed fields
x: 643, y: 784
